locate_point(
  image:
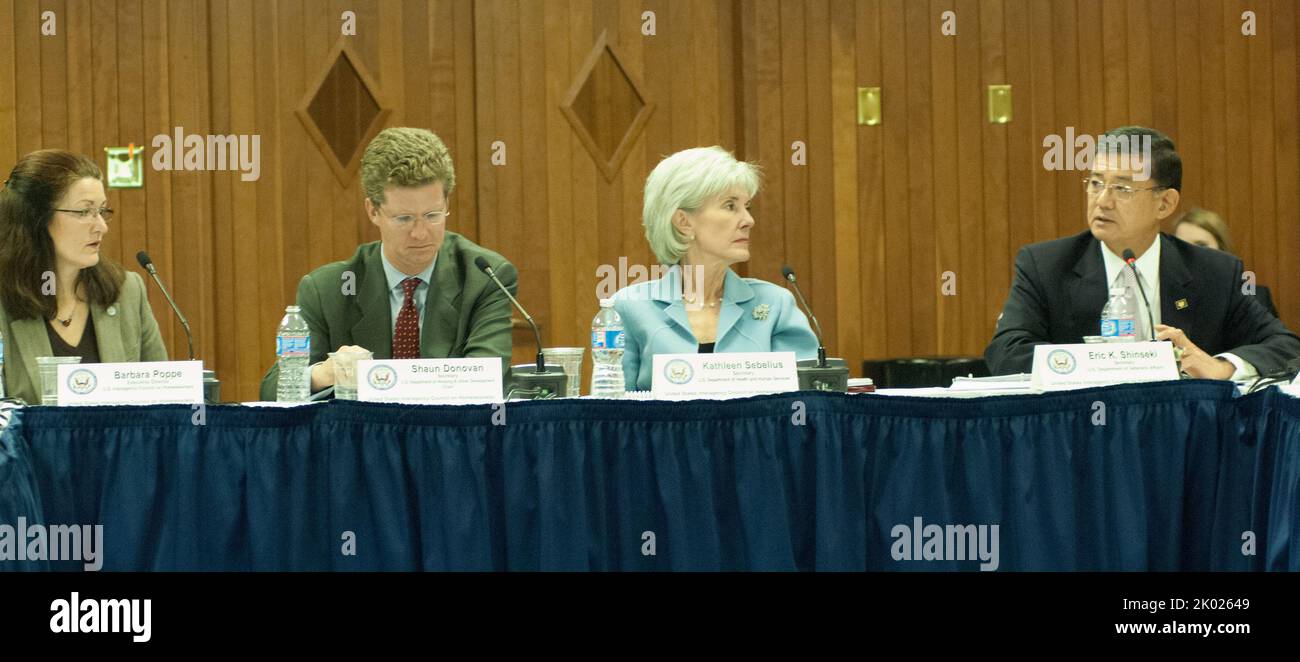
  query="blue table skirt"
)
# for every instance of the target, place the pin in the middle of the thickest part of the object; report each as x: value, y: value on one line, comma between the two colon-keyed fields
x: 1169, y: 476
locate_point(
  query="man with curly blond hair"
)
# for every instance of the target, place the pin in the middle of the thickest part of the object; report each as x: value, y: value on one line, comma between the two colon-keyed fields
x: 415, y: 293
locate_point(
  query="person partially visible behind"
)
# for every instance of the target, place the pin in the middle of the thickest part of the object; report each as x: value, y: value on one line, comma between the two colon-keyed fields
x: 1206, y: 228
x: 697, y: 220
x: 58, y: 295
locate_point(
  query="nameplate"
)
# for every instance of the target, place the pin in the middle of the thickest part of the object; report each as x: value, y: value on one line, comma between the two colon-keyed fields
x: 728, y: 375
x: 153, y: 383
x: 430, y: 381
x: 1058, y: 367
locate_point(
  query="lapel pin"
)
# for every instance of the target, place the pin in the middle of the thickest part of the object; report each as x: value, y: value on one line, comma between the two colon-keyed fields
x: 1180, y: 304
x: 112, y: 311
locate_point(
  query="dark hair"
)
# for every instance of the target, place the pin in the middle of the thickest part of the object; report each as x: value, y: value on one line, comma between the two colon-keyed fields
x: 27, y: 202
x: 1167, y: 166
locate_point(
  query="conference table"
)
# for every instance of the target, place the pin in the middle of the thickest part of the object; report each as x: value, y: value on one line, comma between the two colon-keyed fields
x: 1168, y: 476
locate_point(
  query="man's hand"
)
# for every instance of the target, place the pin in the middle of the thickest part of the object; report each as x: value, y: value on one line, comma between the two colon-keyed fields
x: 322, y: 374
x: 1195, y: 361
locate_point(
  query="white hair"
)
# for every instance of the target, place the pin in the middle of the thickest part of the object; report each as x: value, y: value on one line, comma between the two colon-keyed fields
x: 685, y: 181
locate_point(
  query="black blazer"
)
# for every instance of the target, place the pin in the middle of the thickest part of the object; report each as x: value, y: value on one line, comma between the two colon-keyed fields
x: 1059, y: 288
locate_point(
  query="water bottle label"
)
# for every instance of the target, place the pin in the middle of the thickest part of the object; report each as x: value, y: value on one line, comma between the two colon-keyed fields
x: 1109, y: 328
x: 292, y: 346
x: 1127, y: 327
x: 607, y: 340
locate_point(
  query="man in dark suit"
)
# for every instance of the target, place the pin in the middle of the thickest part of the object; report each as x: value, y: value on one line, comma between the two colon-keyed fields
x: 1060, y: 287
x: 416, y: 293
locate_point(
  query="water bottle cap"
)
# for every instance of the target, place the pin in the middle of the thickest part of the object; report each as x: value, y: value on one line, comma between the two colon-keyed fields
x: 606, y: 303
x: 292, y: 309
x: 1118, y: 291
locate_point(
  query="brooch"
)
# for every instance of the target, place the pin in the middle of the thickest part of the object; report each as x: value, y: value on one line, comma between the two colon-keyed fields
x: 761, y: 311
x: 112, y: 311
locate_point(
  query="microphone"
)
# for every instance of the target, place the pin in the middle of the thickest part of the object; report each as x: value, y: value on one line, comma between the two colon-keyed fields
x: 211, y: 385
x: 822, y: 376
x: 540, y: 382
x: 1131, y: 260
x: 143, y: 258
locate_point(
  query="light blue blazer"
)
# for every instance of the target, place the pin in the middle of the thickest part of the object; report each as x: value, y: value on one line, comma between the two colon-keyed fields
x: 655, y: 322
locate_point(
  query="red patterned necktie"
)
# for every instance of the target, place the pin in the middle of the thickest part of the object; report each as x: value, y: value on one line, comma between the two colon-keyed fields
x: 406, y: 337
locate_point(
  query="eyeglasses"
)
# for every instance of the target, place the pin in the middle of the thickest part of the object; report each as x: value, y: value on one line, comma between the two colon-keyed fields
x: 1095, y: 187
x: 405, y: 220
x: 88, y: 214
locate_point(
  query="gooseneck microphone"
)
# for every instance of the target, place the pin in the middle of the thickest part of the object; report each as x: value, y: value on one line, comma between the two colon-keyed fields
x: 143, y: 258
x: 1131, y: 260
x: 823, y: 376
x: 540, y: 382
x: 483, y: 266
x: 788, y: 273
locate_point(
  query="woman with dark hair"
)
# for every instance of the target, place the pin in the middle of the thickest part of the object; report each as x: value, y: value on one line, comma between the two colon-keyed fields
x: 1206, y: 228
x: 58, y: 297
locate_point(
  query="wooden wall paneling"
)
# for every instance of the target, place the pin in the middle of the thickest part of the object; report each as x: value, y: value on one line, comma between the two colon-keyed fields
x: 1115, y: 42
x: 321, y: 29
x: 818, y: 226
x: 1212, y: 193
x: 227, y: 300
x: 1188, y: 62
x: 947, y: 222
x: 80, y: 92
x: 267, y: 120
x: 53, y: 77
x: 453, y: 35
x: 871, y: 194
x: 585, y: 252
x: 526, y: 222
x: 1024, y: 146
x: 1142, y: 40
x: 1236, y: 147
x: 27, y: 75
x: 131, y: 221
x: 103, y: 90
x: 157, y: 218
x: 1259, y: 199
x: 607, y: 227
x: 1162, y: 54
x: 770, y: 146
x: 1286, y: 82
x: 794, y: 244
x: 1043, y: 123
x: 894, y: 121
x: 998, y: 215
x: 8, y: 102
x: 1076, y: 60
x: 295, y: 150
x: 972, y: 114
x: 843, y: 235
x: 189, y: 217
x: 568, y: 297
x: 252, y: 330
x: 920, y: 175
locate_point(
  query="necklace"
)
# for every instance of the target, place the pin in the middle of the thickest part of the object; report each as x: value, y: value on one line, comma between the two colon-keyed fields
x: 707, y: 304
x: 67, y: 322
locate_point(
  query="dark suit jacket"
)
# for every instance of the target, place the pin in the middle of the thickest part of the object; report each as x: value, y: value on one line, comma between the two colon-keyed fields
x: 465, y: 315
x: 1059, y: 288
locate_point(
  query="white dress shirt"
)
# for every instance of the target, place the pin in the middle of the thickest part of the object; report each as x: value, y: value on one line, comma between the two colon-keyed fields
x: 1148, y: 267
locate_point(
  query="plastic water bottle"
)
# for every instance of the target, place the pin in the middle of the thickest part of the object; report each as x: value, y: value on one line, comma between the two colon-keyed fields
x: 2, y: 365
x: 607, y: 352
x: 1119, y: 316
x: 293, y: 355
